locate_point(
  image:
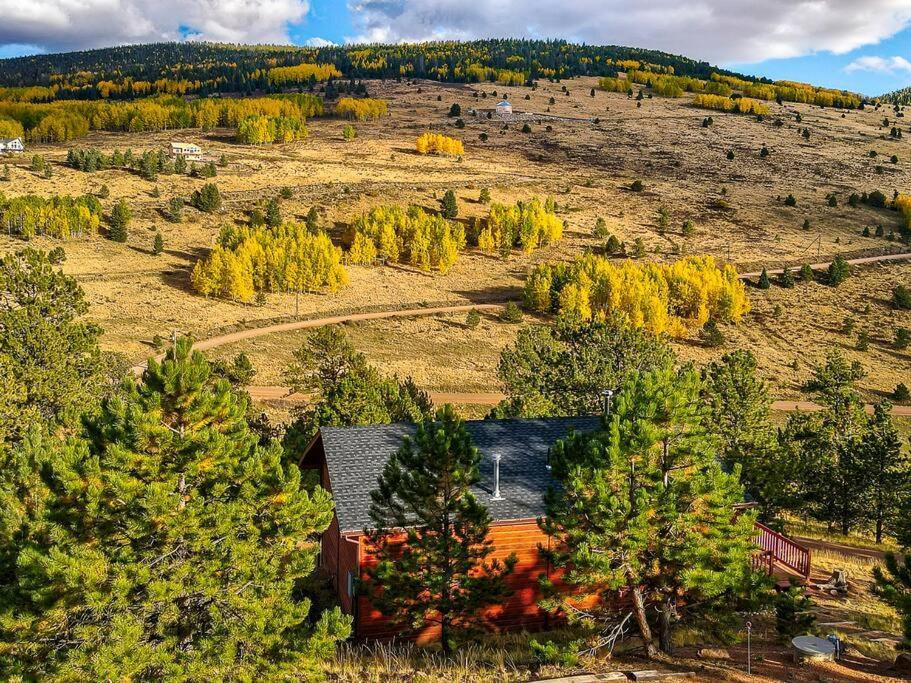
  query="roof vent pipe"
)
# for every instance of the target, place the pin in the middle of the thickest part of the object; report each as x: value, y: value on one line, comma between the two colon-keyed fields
x: 496, y: 477
x: 606, y: 395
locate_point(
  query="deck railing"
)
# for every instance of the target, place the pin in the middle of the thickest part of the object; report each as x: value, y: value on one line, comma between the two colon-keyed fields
x: 778, y: 548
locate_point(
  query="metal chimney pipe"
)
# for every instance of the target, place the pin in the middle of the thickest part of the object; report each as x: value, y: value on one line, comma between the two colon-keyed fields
x: 496, y: 477
x: 606, y: 395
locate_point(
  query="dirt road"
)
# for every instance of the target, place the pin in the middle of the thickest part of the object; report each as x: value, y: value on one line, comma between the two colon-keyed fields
x: 822, y: 266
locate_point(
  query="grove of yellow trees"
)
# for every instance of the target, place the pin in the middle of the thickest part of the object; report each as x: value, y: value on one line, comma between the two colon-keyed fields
x: 435, y: 143
x: 526, y: 225
x: 261, y: 130
x: 742, y: 105
x: 361, y: 109
x: 62, y: 217
x: 667, y: 299
x: 288, y: 258
x: 411, y: 235
x: 302, y: 73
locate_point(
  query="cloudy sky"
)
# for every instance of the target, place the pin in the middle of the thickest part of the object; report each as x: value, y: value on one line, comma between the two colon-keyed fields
x: 863, y: 45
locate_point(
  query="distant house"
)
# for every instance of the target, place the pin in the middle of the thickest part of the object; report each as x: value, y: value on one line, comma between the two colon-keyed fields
x: 11, y: 145
x: 187, y: 150
x: 504, y: 107
x: 515, y: 474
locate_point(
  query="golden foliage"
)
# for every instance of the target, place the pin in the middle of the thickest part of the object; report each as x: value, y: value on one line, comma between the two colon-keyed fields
x: 435, y: 143
x: 526, y: 225
x: 742, y: 105
x: 283, y: 259
x: 260, y: 130
x: 614, y: 84
x: 361, y: 109
x: 662, y: 298
x: 412, y: 236
x: 10, y: 128
x: 62, y: 217
x: 302, y: 73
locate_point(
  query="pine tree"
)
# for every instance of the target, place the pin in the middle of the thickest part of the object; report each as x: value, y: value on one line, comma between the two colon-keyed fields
x: 170, y: 545
x: 893, y: 586
x: 439, y: 573
x: 764, y: 282
x: 887, y: 470
x: 839, y: 271
x: 158, y: 244
x: 644, y: 507
x: 273, y: 213
x: 793, y: 613
x: 449, y: 205
x: 120, y: 221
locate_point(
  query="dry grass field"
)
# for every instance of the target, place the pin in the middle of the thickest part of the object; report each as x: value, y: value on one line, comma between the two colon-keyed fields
x: 586, y: 158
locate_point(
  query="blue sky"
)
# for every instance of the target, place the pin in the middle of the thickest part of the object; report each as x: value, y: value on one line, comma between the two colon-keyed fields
x: 860, y: 45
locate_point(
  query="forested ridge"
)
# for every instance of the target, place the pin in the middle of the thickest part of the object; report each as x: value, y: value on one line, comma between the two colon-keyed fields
x: 132, y: 71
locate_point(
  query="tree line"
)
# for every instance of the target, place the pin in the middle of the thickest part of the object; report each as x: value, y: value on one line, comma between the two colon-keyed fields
x: 60, y: 216
x: 526, y: 225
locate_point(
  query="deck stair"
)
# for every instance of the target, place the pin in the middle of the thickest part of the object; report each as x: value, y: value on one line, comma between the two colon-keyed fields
x: 778, y: 551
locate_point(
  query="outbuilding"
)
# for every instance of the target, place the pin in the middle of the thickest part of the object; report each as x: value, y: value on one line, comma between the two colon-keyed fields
x: 504, y: 107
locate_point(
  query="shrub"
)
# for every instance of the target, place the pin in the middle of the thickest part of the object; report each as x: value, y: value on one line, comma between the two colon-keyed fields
x: 790, y: 200
x: 688, y: 229
x: 901, y: 393
x: 613, y: 245
x: 158, y: 244
x: 763, y: 282
x: 839, y: 271
x: 901, y: 298
x: 56, y: 256
x: 455, y: 110
x: 711, y: 334
x: 526, y: 128
x: 902, y: 338
x: 863, y: 341
x: 473, y: 319
x: 786, y: 279
x: 564, y: 655
x: 637, y: 186
x: 806, y: 273
x: 601, y: 228
x: 104, y: 192
x: 511, y: 313
x: 484, y: 197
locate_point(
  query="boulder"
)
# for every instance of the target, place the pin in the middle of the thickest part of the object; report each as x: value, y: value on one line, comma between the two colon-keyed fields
x: 713, y: 653
x: 903, y: 662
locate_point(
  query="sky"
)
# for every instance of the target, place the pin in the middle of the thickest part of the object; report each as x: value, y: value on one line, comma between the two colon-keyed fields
x: 859, y: 45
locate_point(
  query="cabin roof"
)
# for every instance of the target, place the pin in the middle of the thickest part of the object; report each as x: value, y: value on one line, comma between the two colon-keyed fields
x: 6, y: 141
x: 355, y: 457
x: 503, y: 103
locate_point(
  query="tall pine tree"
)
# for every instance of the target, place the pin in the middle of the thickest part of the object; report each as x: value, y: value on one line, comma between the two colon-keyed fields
x: 644, y: 508
x: 166, y: 544
x: 887, y: 471
x: 430, y: 535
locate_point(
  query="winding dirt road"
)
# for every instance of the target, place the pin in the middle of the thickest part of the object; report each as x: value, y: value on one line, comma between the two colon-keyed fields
x: 822, y: 266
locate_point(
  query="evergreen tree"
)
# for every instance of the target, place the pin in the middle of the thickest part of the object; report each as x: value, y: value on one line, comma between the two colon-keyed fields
x: 439, y: 573
x: 347, y: 390
x: 175, y: 209
x: 793, y: 613
x: 893, y: 586
x: 51, y: 368
x: 887, y: 470
x: 169, y: 544
x: 839, y: 271
x: 273, y: 213
x: 786, y: 279
x: 764, y: 282
x: 120, y: 221
x: 158, y: 244
x: 644, y: 508
x: 449, y: 207
x: 207, y: 198
x: 563, y: 369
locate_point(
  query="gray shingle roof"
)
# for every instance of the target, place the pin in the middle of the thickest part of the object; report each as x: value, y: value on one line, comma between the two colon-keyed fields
x: 355, y: 457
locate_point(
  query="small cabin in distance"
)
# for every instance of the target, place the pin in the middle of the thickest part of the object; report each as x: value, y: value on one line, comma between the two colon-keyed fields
x: 187, y: 150
x: 504, y: 107
x: 12, y: 145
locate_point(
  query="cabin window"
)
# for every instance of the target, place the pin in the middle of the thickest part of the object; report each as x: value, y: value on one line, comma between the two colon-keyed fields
x: 350, y: 578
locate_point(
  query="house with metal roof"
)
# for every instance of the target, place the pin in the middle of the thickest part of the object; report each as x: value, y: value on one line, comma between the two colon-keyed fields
x: 11, y: 145
x: 504, y: 107
x: 514, y: 477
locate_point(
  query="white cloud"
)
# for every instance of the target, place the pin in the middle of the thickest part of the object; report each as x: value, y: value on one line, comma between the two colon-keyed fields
x: 884, y: 65
x: 55, y: 25
x: 316, y: 41
x: 720, y: 31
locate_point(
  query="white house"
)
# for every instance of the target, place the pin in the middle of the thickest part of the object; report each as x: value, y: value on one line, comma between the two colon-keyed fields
x: 11, y: 145
x: 504, y: 107
x: 187, y: 150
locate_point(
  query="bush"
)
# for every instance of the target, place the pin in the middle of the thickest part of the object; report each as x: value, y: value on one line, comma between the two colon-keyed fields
x: 863, y: 341
x: 158, y: 244
x: 806, y: 273
x: 511, y: 313
x: 793, y: 613
x: 838, y: 272
x: 901, y: 298
x: 56, y: 256
x: 786, y: 279
x: 688, y: 229
x: 901, y: 393
x: 763, y: 282
x: 637, y: 186
x: 902, y: 338
x: 473, y: 319
x: 104, y: 192
x: 613, y: 245
x: 484, y: 197
x: 565, y: 655
x: 455, y: 110
x: 601, y: 228
x: 711, y: 334
x: 790, y: 200
x: 349, y: 133
x: 526, y: 128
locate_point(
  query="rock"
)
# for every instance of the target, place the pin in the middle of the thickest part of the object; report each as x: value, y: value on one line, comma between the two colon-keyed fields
x: 713, y: 653
x: 903, y: 662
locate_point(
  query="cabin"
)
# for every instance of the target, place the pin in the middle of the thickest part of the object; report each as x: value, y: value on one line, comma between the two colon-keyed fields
x: 187, y: 150
x: 504, y: 107
x: 515, y: 474
x: 11, y: 145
